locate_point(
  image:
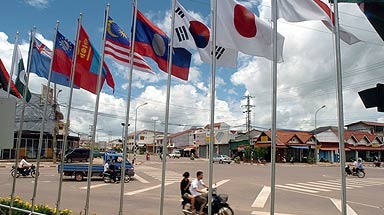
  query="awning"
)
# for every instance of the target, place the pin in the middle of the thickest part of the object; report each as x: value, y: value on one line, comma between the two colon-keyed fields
x: 299, y: 147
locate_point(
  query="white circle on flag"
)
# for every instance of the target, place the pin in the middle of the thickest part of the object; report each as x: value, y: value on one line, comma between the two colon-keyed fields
x: 158, y: 45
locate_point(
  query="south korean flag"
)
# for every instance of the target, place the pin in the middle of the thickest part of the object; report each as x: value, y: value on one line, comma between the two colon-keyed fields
x: 191, y: 33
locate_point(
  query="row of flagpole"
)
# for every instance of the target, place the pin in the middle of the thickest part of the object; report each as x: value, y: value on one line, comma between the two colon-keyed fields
x: 211, y: 143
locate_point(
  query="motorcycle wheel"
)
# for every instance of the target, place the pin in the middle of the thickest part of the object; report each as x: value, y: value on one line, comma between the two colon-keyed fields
x: 15, y: 172
x: 226, y: 210
x: 33, y: 173
x: 187, y: 209
x: 106, y: 179
x: 361, y: 174
x: 127, y: 179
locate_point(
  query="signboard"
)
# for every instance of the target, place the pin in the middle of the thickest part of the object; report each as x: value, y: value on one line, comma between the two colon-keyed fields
x: 7, y: 119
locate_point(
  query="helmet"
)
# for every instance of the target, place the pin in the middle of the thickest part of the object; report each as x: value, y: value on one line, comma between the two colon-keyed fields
x: 359, y: 159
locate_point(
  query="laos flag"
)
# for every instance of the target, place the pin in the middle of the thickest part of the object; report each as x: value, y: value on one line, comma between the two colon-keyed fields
x: 152, y: 42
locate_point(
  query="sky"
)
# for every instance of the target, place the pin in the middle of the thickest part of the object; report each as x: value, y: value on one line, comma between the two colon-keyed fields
x: 306, y: 77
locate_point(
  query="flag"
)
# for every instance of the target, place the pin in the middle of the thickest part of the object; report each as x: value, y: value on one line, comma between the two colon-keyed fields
x: 150, y: 41
x: 41, y: 62
x: 118, y: 47
x: 21, y: 79
x: 304, y: 10
x: 4, y: 80
x: 62, y: 57
x: 239, y: 28
x: 191, y: 33
x: 87, y: 65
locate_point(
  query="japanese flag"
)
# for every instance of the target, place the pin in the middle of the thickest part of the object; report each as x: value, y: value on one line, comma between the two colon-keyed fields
x: 191, y: 33
x: 239, y: 28
x: 304, y: 10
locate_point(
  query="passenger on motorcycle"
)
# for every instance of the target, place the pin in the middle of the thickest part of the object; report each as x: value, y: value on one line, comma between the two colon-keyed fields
x: 184, y: 189
x: 197, y: 190
x: 24, y: 166
x: 110, y: 169
x: 359, y: 165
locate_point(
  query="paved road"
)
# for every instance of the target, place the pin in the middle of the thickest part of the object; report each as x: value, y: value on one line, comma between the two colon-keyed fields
x: 300, y: 189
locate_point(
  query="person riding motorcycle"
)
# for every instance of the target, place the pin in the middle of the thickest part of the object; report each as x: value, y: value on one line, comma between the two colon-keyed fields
x: 23, y: 166
x: 110, y: 169
x: 197, y: 190
x: 359, y: 166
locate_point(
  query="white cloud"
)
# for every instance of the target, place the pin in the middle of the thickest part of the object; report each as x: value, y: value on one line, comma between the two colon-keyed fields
x: 38, y: 3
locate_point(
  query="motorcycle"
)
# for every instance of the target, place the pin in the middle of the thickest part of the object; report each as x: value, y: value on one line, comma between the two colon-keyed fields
x: 108, y: 179
x: 358, y: 172
x: 30, y: 171
x: 219, y: 204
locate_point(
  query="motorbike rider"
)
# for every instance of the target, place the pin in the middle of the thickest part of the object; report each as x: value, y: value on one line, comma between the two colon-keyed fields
x: 110, y: 168
x: 197, y: 190
x: 184, y: 189
x: 359, y: 165
x: 23, y: 166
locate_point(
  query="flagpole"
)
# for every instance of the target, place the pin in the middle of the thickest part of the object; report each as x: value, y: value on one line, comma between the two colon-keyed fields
x: 126, y: 125
x: 340, y: 110
x: 42, y: 122
x: 166, y: 120
x: 64, y: 145
x: 13, y: 64
x: 19, y: 133
x: 212, y: 117
x: 274, y: 106
x: 101, y: 66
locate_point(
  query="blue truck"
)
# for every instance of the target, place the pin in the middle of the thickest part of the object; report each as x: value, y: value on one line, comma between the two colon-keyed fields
x: 80, y: 170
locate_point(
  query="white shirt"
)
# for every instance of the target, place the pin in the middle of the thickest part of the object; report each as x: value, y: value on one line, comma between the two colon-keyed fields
x: 196, y: 184
x: 106, y: 167
x: 24, y: 163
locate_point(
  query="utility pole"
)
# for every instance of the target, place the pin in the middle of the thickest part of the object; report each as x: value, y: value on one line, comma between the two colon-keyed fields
x: 248, y: 110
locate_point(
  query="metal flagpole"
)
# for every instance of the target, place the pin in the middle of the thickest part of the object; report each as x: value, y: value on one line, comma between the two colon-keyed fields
x: 164, y: 155
x: 13, y: 64
x: 128, y: 107
x: 42, y: 122
x: 19, y: 133
x: 274, y: 106
x: 212, y: 117
x: 64, y: 144
x: 86, y: 209
x: 340, y: 110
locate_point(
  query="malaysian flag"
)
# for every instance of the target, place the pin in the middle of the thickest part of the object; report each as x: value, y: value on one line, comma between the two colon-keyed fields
x: 118, y: 47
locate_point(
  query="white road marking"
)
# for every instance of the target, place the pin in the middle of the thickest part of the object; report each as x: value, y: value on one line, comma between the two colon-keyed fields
x: 261, y: 199
x: 267, y: 213
x: 294, y: 188
x: 145, y: 189
x: 94, y: 186
x: 221, y: 182
x: 142, y: 180
x: 337, y: 203
x: 307, y: 187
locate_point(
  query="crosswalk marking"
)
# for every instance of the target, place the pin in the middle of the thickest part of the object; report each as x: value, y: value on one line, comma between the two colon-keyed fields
x: 94, y: 186
x: 337, y: 203
x: 261, y: 199
x: 145, y: 189
x: 267, y: 213
x: 330, y: 185
x: 142, y: 180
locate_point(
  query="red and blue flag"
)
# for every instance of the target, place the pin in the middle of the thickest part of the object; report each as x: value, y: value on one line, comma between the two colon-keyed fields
x: 152, y: 42
x: 41, y: 61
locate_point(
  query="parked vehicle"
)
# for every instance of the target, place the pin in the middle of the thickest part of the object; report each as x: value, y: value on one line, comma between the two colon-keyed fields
x: 175, y: 154
x: 222, y: 159
x: 30, y: 171
x: 219, y: 204
x: 358, y: 172
x: 77, y: 154
x: 80, y: 170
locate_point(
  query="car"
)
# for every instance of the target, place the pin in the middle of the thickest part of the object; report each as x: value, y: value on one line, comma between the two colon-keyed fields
x: 77, y: 154
x: 175, y: 154
x: 222, y: 159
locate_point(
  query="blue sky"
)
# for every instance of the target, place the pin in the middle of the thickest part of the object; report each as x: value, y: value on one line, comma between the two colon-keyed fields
x: 306, y: 78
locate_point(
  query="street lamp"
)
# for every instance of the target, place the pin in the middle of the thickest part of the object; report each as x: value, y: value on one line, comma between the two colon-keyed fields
x: 135, y: 137
x: 316, y: 150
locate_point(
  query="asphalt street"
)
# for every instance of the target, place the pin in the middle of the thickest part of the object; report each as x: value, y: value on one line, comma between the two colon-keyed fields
x: 301, y: 189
